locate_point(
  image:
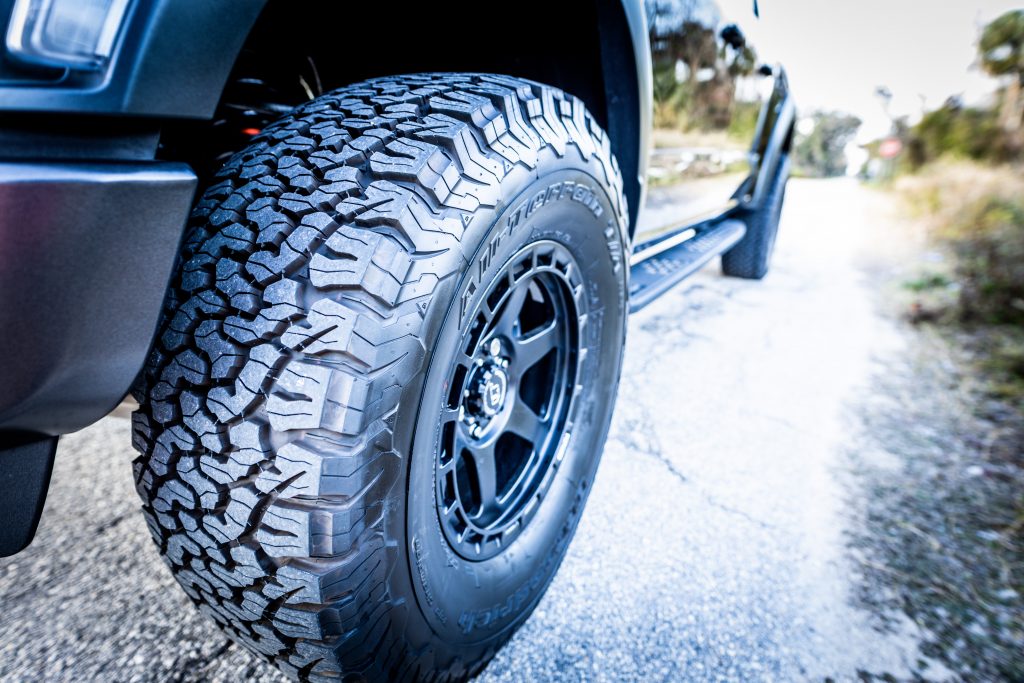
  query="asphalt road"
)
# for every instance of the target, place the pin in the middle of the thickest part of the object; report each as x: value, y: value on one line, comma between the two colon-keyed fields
x: 713, y: 546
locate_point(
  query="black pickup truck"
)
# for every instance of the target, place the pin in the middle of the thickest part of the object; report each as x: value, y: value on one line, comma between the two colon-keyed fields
x: 374, y: 322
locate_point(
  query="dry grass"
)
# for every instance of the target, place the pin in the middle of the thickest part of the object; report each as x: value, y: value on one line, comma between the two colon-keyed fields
x: 975, y: 214
x: 941, y: 538
x: 944, y: 193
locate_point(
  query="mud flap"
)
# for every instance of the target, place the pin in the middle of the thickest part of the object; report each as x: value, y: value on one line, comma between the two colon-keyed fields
x: 26, y: 461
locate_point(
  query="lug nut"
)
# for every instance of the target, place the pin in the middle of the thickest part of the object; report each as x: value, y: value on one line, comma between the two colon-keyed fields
x: 495, y: 347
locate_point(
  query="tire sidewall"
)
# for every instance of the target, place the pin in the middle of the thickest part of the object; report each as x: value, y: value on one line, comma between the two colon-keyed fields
x: 469, y: 605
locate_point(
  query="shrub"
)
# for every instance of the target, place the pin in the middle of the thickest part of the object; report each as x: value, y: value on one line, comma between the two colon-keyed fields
x: 988, y: 240
x: 977, y: 213
x: 961, y: 132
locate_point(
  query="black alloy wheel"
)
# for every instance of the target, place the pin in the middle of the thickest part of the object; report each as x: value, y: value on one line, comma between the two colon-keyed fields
x: 508, y: 411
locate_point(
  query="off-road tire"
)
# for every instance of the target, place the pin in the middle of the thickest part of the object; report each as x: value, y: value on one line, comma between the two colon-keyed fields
x: 751, y: 257
x: 285, y: 420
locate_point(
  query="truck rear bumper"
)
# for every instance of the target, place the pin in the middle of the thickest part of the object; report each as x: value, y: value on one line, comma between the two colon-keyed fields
x: 86, y: 252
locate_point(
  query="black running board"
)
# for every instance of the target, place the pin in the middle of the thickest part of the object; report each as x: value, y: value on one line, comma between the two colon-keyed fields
x: 659, y: 270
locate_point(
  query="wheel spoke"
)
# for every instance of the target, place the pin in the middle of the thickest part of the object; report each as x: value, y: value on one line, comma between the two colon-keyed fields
x: 453, y: 442
x: 532, y: 349
x: 524, y: 422
x: 486, y: 471
x: 508, y: 316
x: 463, y: 360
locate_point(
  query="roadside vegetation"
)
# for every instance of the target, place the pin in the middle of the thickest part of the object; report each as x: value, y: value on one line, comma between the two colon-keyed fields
x: 945, y: 532
x: 819, y: 150
x: 962, y: 173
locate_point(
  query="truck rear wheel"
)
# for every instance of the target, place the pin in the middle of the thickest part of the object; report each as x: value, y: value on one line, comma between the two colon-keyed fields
x: 386, y: 372
x: 751, y: 257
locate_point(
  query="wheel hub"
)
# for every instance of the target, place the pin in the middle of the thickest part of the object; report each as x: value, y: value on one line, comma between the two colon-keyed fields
x: 489, y: 385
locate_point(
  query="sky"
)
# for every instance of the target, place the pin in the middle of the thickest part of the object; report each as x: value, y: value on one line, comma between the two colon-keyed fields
x: 836, y: 52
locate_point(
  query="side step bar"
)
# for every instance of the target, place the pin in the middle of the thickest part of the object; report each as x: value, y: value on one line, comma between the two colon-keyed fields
x: 659, y: 269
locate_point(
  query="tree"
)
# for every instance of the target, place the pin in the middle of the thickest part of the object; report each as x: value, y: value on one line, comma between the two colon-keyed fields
x: 1002, y: 55
x: 822, y: 151
x: 684, y: 37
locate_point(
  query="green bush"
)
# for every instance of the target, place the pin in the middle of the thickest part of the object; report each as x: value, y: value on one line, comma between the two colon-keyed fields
x: 958, y: 132
x: 987, y: 237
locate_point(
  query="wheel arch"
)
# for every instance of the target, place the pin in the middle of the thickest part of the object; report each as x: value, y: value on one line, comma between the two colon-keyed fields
x: 595, y: 50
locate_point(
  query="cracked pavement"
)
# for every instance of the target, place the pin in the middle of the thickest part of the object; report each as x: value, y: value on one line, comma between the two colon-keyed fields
x: 712, y: 548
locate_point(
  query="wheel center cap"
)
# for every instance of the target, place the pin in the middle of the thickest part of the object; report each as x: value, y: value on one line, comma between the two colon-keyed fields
x: 487, y: 391
x: 495, y: 385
